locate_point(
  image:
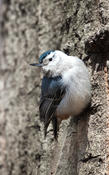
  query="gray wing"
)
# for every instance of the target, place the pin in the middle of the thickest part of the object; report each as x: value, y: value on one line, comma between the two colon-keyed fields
x: 51, y: 95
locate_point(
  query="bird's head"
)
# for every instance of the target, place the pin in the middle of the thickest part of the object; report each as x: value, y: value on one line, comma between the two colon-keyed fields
x: 50, y: 62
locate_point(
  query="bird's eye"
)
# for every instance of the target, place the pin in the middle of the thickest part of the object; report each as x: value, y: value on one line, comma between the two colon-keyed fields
x: 50, y: 59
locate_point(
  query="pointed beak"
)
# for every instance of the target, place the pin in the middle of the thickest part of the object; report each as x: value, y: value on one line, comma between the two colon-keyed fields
x: 35, y: 64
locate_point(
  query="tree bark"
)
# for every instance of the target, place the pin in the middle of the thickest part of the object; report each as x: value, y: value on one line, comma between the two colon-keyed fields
x: 28, y: 28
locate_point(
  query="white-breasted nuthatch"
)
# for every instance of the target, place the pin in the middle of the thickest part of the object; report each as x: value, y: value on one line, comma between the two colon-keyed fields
x: 65, y: 90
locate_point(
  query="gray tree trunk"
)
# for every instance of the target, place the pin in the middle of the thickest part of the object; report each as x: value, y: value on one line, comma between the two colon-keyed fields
x: 28, y: 28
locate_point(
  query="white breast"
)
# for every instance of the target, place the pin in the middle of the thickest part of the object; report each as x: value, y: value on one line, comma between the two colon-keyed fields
x: 78, y: 89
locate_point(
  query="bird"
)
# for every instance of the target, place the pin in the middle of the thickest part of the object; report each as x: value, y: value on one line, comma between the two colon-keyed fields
x: 65, y: 88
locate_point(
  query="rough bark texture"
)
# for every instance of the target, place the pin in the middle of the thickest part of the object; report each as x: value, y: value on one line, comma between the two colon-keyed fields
x: 28, y: 28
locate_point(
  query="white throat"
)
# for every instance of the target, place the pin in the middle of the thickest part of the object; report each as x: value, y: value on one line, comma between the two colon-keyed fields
x: 60, y: 64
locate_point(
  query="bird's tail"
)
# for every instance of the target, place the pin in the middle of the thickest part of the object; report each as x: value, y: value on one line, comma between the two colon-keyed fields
x: 55, y: 125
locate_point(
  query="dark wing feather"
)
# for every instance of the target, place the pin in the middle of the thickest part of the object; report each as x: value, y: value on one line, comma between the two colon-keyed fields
x: 51, y: 95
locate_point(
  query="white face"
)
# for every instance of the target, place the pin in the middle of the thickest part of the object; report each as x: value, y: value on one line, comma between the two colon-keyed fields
x: 55, y: 63
x: 51, y: 62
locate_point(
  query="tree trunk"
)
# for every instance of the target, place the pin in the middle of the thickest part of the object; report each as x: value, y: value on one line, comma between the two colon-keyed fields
x: 28, y: 28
